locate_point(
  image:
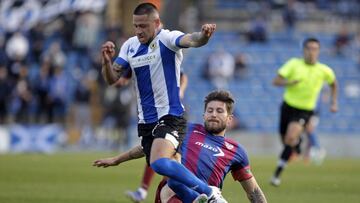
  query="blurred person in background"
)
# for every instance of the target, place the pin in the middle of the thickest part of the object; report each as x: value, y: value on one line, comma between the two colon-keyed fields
x: 41, y: 89
x: 219, y: 68
x: 258, y: 30
x: 303, y: 79
x: 341, y: 41
x: 22, y: 97
x: 5, y: 92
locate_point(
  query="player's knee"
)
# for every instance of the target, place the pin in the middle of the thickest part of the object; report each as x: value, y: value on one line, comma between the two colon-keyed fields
x: 291, y: 140
x: 162, y: 166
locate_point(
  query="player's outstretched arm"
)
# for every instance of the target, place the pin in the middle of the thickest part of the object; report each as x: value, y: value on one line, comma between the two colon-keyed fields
x: 198, y: 39
x: 110, y: 72
x: 133, y: 153
x: 253, y: 191
x: 281, y: 81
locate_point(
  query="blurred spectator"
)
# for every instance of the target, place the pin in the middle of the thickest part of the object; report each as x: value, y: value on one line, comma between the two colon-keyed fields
x: 59, y: 90
x: 18, y: 15
x: 115, y: 34
x: 85, y: 36
x: 21, y: 97
x: 55, y: 55
x: 118, y: 101
x: 220, y: 68
x: 17, y: 47
x: 258, y: 30
x: 67, y: 31
x: 3, y: 56
x: 5, y: 91
x: 342, y: 39
x: 83, y: 117
x: 289, y: 16
x: 42, y: 93
x: 240, y: 66
x: 36, y: 39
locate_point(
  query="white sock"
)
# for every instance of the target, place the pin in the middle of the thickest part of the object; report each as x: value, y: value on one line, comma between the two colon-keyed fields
x: 142, y: 192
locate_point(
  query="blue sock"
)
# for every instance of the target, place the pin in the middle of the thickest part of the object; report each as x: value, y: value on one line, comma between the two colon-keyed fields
x: 178, y: 172
x: 186, y: 194
x: 314, y: 140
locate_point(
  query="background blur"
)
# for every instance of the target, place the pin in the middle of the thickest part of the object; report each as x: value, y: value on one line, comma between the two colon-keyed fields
x: 53, y: 98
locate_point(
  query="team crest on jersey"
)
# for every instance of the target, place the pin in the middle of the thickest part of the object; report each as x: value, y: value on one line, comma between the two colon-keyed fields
x: 229, y: 146
x: 153, y: 45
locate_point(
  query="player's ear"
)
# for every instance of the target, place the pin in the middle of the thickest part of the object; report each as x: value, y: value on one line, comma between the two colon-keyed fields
x: 157, y: 22
x: 230, y: 118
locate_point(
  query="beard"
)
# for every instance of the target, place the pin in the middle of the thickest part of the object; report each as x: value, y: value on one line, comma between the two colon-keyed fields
x: 215, y: 127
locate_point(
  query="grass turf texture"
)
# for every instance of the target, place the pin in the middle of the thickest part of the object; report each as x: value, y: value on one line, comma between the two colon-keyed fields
x: 70, y: 178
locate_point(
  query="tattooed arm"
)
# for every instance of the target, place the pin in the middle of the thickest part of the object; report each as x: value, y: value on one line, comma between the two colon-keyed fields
x: 110, y: 72
x: 253, y: 191
x: 198, y: 39
x: 133, y: 153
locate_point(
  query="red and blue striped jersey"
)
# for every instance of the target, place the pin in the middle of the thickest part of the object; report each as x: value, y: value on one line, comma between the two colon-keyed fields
x: 211, y: 157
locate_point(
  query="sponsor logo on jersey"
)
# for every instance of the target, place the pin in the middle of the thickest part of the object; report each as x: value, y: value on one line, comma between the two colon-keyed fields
x: 143, y: 60
x: 216, y: 150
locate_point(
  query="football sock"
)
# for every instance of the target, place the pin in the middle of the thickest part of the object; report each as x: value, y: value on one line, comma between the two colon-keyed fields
x: 147, y: 177
x: 314, y: 141
x: 178, y: 172
x: 186, y: 194
x: 286, y: 153
x: 297, y: 148
x: 280, y: 167
x: 284, y: 158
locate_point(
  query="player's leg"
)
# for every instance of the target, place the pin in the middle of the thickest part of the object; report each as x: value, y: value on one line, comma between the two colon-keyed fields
x: 291, y: 127
x: 162, y: 164
x: 290, y: 141
x: 141, y: 193
x: 315, y: 152
x: 185, y: 194
x: 168, y: 135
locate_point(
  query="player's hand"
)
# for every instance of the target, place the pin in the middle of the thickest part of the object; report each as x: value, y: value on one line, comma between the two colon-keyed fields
x: 105, y: 162
x: 108, y: 51
x: 208, y: 29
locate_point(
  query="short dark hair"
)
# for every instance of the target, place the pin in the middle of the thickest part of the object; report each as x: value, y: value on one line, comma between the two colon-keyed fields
x: 223, y: 96
x: 145, y: 9
x: 308, y: 40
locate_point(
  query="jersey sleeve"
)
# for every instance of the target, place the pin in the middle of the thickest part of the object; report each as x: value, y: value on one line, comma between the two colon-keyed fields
x: 240, y: 170
x: 329, y: 75
x: 173, y: 40
x: 122, y: 58
x: 286, y: 70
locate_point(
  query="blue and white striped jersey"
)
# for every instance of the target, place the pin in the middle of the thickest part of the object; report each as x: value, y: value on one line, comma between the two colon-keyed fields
x: 156, y: 73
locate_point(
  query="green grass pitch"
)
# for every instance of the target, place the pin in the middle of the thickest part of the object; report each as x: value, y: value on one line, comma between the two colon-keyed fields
x: 70, y: 178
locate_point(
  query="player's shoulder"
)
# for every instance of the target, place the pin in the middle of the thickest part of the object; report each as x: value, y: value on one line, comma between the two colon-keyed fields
x: 132, y: 41
x: 231, y: 143
x: 164, y: 33
x: 323, y: 66
x: 296, y: 60
x: 195, y: 126
x: 292, y: 62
